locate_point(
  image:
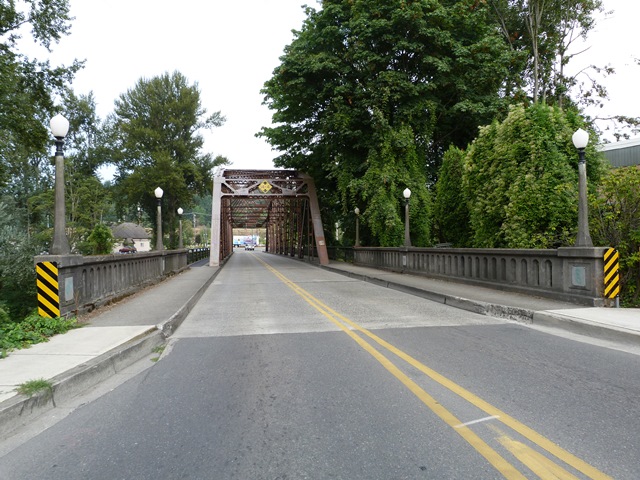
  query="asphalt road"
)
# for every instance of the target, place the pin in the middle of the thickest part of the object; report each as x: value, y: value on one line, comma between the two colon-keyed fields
x: 286, y: 371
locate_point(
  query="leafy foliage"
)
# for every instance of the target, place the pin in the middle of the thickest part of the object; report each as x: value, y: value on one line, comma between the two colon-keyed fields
x: 154, y: 134
x: 521, y: 180
x: 101, y: 240
x: 17, y: 271
x: 615, y: 222
x: 32, y: 330
x: 28, y: 86
x: 370, y: 93
x: 450, y: 210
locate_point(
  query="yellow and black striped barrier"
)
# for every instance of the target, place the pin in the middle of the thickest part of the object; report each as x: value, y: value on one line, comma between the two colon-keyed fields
x: 611, y: 273
x: 48, y: 291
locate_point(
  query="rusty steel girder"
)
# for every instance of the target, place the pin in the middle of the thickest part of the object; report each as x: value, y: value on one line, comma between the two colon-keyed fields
x: 283, y: 202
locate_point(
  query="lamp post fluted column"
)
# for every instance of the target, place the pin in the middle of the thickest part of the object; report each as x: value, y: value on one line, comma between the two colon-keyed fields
x: 60, y: 246
x: 158, y: 193
x: 580, y: 140
x: 180, y: 242
x: 357, y: 212
x: 407, y: 238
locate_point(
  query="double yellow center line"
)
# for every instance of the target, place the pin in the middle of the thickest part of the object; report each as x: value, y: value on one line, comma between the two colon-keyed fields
x: 539, y: 464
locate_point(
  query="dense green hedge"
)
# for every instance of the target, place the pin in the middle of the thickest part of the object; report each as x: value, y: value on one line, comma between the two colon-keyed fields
x: 520, y: 180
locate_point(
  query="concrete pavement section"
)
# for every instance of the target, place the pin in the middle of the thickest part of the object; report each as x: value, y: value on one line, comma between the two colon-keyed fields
x: 610, y: 324
x: 113, y: 338
x: 118, y: 335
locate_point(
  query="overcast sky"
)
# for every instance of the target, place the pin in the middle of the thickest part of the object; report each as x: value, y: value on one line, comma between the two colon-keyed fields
x: 231, y: 48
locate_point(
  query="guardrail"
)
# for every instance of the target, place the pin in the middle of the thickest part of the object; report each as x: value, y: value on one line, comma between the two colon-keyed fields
x: 85, y: 283
x: 196, y: 254
x: 569, y: 274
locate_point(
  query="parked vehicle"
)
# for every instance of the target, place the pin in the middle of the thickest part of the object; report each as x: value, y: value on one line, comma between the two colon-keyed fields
x: 128, y: 250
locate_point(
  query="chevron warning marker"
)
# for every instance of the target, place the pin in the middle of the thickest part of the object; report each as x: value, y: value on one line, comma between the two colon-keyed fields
x: 611, y: 273
x: 48, y: 290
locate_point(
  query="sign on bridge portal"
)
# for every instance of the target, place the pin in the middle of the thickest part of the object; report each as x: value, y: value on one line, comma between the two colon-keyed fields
x: 48, y: 292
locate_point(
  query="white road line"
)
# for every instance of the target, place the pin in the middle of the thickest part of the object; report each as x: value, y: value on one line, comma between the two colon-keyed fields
x: 480, y: 420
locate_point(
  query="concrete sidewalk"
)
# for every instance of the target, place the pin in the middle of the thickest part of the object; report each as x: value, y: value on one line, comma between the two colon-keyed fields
x: 115, y: 337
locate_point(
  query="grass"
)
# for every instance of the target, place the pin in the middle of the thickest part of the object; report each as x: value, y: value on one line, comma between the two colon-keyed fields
x: 159, y: 349
x: 32, y: 387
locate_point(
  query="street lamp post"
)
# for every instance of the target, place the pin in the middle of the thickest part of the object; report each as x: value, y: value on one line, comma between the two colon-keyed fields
x: 357, y: 212
x: 580, y: 140
x: 158, y: 193
x: 59, y: 128
x: 407, y: 195
x: 180, y: 244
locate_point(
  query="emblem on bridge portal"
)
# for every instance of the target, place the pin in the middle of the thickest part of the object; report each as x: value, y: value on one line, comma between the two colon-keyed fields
x: 265, y: 187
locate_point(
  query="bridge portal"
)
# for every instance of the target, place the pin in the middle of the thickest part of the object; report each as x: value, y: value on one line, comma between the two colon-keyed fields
x: 283, y: 202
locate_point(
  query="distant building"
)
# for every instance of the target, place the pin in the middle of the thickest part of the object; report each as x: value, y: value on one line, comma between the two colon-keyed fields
x: 622, y: 154
x: 131, y: 234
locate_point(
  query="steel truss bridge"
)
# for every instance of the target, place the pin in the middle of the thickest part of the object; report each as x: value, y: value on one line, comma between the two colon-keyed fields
x: 284, y: 202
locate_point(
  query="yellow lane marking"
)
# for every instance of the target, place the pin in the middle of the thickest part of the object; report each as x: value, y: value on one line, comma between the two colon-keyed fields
x: 509, y: 421
x: 493, y: 457
x: 535, y: 461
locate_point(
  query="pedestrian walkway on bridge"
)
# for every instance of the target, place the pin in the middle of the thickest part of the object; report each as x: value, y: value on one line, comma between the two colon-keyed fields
x: 118, y: 335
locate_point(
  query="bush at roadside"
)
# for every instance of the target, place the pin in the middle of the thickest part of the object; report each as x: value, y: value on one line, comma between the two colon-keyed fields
x: 33, y: 329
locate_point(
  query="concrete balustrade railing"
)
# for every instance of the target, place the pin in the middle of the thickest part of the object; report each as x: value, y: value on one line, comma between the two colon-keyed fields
x: 85, y: 283
x: 569, y: 274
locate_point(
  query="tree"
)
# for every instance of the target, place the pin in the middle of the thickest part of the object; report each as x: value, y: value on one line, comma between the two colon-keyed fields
x: 154, y: 134
x: 101, y: 240
x: 543, y: 32
x: 615, y: 222
x: 17, y: 272
x: 28, y: 85
x: 520, y: 179
x: 451, y: 211
x: 372, y: 87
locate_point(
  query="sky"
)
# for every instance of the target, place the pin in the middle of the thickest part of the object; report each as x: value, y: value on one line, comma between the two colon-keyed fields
x: 230, y: 49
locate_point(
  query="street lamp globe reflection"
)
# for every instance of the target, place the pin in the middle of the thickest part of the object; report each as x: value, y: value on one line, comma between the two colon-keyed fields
x: 60, y: 246
x: 580, y: 139
x: 59, y: 126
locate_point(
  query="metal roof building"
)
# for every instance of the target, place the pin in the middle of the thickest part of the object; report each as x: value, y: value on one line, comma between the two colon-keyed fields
x: 622, y: 154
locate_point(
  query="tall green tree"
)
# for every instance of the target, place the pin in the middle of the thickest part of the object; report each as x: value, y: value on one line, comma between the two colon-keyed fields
x: 29, y: 85
x: 520, y: 179
x: 155, y: 139
x: 543, y: 33
x: 370, y: 93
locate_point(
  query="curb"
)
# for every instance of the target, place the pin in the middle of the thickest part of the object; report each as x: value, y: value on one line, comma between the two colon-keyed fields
x: 18, y: 411
x: 585, y: 327
x: 559, y: 321
x: 516, y: 314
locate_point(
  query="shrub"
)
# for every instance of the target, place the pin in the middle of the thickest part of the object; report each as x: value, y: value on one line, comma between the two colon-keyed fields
x: 101, y: 240
x: 451, y: 212
x: 615, y: 222
x: 33, y: 329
